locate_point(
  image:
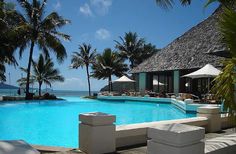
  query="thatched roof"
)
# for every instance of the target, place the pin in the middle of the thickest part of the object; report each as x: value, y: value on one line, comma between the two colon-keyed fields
x: 189, y: 50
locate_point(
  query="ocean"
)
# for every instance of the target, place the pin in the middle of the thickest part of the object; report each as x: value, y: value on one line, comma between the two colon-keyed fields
x: 58, y: 93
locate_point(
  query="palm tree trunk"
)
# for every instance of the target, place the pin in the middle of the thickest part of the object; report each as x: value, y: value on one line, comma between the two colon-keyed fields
x: 131, y: 63
x: 40, y: 85
x: 133, y: 78
x: 27, y: 96
x: 88, y: 77
x: 110, y: 84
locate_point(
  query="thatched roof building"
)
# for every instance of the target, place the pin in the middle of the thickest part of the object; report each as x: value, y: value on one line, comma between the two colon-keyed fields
x: 185, y: 54
x: 189, y: 50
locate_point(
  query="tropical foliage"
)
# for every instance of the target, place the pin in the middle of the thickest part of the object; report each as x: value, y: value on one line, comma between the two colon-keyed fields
x: 134, y: 49
x: 224, y: 86
x: 166, y: 4
x: 146, y: 51
x: 9, y: 18
x: 35, y: 29
x: 43, y: 72
x: 85, y: 57
x: 225, y: 83
x: 107, y: 64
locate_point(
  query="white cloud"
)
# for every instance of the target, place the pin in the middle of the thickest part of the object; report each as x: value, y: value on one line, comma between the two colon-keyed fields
x: 101, y: 6
x: 57, y: 5
x: 102, y: 34
x: 98, y: 7
x: 85, y: 9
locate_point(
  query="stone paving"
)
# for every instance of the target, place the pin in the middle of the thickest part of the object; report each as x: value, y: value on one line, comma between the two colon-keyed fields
x: 138, y: 150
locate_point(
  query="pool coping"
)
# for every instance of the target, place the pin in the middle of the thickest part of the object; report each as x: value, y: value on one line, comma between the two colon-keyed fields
x: 183, y: 106
x: 141, y: 149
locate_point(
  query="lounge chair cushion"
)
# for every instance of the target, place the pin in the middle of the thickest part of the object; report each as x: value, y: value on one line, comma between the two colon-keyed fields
x: 16, y: 147
x: 221, y: 145
x: 188, y: 101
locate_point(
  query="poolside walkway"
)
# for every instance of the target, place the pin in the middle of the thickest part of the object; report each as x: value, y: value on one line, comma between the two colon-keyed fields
x: 138, y: 150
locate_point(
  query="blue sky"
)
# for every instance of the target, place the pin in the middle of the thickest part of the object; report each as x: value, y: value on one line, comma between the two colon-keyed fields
x: 100, y: 22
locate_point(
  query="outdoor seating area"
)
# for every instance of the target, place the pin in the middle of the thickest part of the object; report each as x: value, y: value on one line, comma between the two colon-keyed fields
x: 161, y: 87
x: 186, y: 97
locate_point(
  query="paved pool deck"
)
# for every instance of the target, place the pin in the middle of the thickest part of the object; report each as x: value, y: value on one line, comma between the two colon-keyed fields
x: 133, y: 150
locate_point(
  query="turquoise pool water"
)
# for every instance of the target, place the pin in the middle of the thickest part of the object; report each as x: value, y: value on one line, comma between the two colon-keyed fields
x: 55, y: 123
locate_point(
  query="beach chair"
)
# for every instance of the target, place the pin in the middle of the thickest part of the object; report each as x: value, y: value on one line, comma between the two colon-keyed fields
x: 16, y: 147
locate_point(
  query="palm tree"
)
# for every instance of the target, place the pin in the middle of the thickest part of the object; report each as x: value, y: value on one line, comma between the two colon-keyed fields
x: 22, y: 81
x: 9, y: 18
x: 130, y: 47
x: 84, y: 57
x: 107, y: 64
x: 43, y: 72
x: 145, y: 52
x: 40, y: 31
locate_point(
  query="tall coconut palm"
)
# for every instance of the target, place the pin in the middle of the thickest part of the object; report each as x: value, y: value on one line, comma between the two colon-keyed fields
x: 130, y: 47
x: 107, y: 64
x: 85, y: 57
x: 36, y: 29
x: 43, y: 72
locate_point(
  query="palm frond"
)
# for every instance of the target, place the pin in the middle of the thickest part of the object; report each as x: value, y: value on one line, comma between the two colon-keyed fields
x: 28, y: 8
x: 43, y: 72
x: 23, y: 69
x: 224, y: 86
x: 54, y: 21
x: 108, y: 63
x: 55, y: 45
x: 2, y: 71
x: 84, y: 57
x: 168, y: 4
x: 62, y: 35
x: 132, y: 48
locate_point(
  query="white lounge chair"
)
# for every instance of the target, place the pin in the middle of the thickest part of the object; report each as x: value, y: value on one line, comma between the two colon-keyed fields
x: 221, y: 145
x: 16, y: 147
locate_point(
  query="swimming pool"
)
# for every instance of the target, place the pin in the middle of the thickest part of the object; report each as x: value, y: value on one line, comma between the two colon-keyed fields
x: 55, y: 123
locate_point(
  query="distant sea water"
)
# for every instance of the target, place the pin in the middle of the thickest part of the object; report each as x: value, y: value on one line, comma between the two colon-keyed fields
x: 58, y: 93
x: 70, y: 93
